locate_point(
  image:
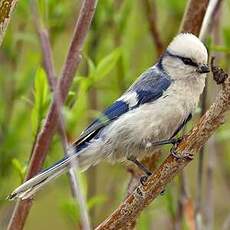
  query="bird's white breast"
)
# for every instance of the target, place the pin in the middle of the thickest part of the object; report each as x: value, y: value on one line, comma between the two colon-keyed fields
x: 134, y: 131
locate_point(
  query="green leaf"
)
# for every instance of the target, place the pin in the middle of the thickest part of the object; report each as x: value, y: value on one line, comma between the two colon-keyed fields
x: 226, y: 33
x: 20, y: 169
x: 123, y: 15
x: 25, y: 37
x: 223, y: 135
x: 96, y: 200
x: 220, y: 49
x: 92, y: 67
x: 41, y: 99
x: 78, y: 79
x: 70, y: 210
x: 43, y: 9
x: 107, y: 64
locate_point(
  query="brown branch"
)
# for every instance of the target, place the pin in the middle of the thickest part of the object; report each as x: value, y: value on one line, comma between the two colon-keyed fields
x: 185, y: 207
x: 209, y: 193
x: 193, y: 16
x: 131, y: 208
x: 47, y: 57
x: 135, y: 203
x: 207, y: 25
x: 151, y: 14
x: 44, y: 138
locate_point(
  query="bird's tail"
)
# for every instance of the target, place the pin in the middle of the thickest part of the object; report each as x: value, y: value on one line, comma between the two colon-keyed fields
x: 34, y: 184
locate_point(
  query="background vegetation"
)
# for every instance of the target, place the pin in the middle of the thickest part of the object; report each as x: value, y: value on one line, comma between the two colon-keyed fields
x: 119, y: 47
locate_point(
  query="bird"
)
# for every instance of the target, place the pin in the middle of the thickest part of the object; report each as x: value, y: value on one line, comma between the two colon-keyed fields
x: 151, y: 112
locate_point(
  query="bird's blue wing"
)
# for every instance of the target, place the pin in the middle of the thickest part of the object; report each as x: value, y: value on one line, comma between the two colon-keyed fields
x: 148, y: 87
x: 114, y: 111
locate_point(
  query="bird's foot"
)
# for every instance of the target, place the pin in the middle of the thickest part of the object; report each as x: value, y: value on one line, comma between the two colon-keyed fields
x: 176, y: 141
x: 144, y: 178
x: 185, y: 155
x: 142, y: 167
x: 173, y: 141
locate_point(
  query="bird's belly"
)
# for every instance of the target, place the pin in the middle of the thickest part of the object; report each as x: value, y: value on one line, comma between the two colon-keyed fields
x: 135, y: 132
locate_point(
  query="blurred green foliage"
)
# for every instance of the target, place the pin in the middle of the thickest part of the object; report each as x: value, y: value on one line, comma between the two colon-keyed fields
x: 41, y: 100
x: 118, y: 48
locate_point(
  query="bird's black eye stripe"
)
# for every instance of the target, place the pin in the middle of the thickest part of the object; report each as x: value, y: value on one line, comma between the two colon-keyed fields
x: 188, y: 61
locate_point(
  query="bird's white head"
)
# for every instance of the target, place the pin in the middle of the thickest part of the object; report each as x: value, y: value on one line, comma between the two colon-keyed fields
x: 185, y: 57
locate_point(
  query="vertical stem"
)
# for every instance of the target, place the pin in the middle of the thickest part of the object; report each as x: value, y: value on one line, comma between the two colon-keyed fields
x: 93, y: 105
x: 208, y: 209
x: 207, y: 25
x: 49, y: 68
x: 182, y: 196
x: 151, y: 14
x: 193, y: 16
x: 209, y: 190
x: 199, y: 186
x: 72, y: 61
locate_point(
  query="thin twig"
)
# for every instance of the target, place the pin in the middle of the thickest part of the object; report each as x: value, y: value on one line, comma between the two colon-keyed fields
x: 49, y: 68
x: 185, y: 205
x: 131, y: 208
x: 226, y: 224
x: 213, y: 7
x: 208, y: 22
x: 208, y: 209
x: 209, y: 199
x: 193, y: 16
x: 44, y: 138
x: 151, y: 14
x: 198, y: 215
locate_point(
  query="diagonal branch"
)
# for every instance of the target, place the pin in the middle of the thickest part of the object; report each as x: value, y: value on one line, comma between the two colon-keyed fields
x: 44, y: 138
x: 131, y: 208
x: 135, y: 203
x: 47, y: 57
x: 151, y: 14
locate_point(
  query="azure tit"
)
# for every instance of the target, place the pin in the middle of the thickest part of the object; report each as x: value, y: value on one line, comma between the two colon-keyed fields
x: 149, y: 113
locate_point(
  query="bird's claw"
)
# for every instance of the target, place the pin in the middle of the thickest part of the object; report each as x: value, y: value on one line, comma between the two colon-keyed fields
x: 185, y: 155
x: 144, y: 178
x: 177, y: 141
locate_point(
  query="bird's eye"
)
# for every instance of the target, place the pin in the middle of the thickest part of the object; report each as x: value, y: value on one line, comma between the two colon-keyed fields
x: 188, y: 61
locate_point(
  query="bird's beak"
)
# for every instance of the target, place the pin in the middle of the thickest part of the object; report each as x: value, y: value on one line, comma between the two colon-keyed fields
x: 203, y: 68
